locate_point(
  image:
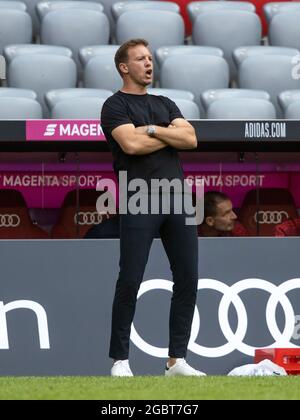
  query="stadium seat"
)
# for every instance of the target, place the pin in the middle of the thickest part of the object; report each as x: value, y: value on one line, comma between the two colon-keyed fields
x: 272, y: 73
x: 75, y: 27
x: 41, y: 73
x: 241, y: 108
x: 196, y: 7
x: 74, y: 221
x: 196, y: 73
x: 16, y: 27
x: 293, y: 111
x: 100, y: 73
x: 19, y: 108
x: 18, y: 93
x: 169, y: 28
x: 15, y: 221
x: 243, y: 52
x: 45, y: 7
x: 275, y: 206
x: 164, y: 52
x: 272, y: 9
x: 183, y: 99
x: 121, y: 7
x: 189, y: 109
x: 212, y: 95
x: 227, y: 30
x: 172, y: 93
x: 12, y: 51
x: 290, y: 227
x: 17, y: 5
x: 84, y: 108
x: 259, y: 6
x: 107, y: 5
x: 86, y: 53
x: 284, y: 29
x: 54, y: 96
x: 287, y: 97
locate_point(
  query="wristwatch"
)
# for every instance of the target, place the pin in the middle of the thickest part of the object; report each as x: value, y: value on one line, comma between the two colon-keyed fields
x: 151, y: 130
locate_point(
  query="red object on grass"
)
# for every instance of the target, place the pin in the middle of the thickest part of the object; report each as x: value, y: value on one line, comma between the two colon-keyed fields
x: 288, y: 358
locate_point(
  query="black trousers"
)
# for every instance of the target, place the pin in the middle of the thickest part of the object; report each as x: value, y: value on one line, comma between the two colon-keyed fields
x: 181, y: 245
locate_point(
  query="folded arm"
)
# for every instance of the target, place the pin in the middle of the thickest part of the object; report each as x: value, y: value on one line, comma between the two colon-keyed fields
x: 135, y: 141
x: 180, y: 134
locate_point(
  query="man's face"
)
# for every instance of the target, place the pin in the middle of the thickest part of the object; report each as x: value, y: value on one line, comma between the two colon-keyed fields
x: 139, y: 65
x: 224, y: 219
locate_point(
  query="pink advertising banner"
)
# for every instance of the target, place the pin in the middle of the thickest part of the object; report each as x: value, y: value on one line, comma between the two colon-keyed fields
x: 48, y: 189
x: 79, y: 130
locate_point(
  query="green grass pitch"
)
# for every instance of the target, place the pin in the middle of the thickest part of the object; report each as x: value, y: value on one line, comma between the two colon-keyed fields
x: 149, y: 388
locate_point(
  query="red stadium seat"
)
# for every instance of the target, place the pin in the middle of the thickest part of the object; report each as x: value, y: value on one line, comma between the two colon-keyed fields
x: 75, y: 220
x: 15, y: 221
x: 275, y: 206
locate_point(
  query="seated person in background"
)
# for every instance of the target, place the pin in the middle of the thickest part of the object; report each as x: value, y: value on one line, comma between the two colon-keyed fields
x: 219, y: 217
x: 290, y: 227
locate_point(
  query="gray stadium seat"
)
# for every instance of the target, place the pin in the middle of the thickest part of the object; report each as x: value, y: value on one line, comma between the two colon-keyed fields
x: 164, y: 52
x: 126, y: 6
x: 86, y: 53
x: 241, y: 108
x: 172, y: 93
x: 272, y: 73
x: 75, y: 28
x: 17, y: 93
x: 212, y: 95
x: 293, y: 111
x: 284, y: 29
x: 272, y: 9
x: 107, y: 5
x: 196, y: 7
x: 227, y: 29
x: 100, y: 73
x: 169, y: 27
x: 196, y: 73
x: 243, y: 52
x: 31, y: 9
x: 54, y: 96
x: 18, y: 5
x: 85, y: 108
x: 189, y: 109
x: 45, y: 7
x: 19, y: 108
x: 42, y: 73
x: 287, y: 97
x: 12, y: 51
x: 15, y: 27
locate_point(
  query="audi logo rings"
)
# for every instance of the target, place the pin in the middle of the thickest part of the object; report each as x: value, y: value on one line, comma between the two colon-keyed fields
x: 270, y: 217
x: 9, y: 220
x: 230, y: 296
x: 87, y: 218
